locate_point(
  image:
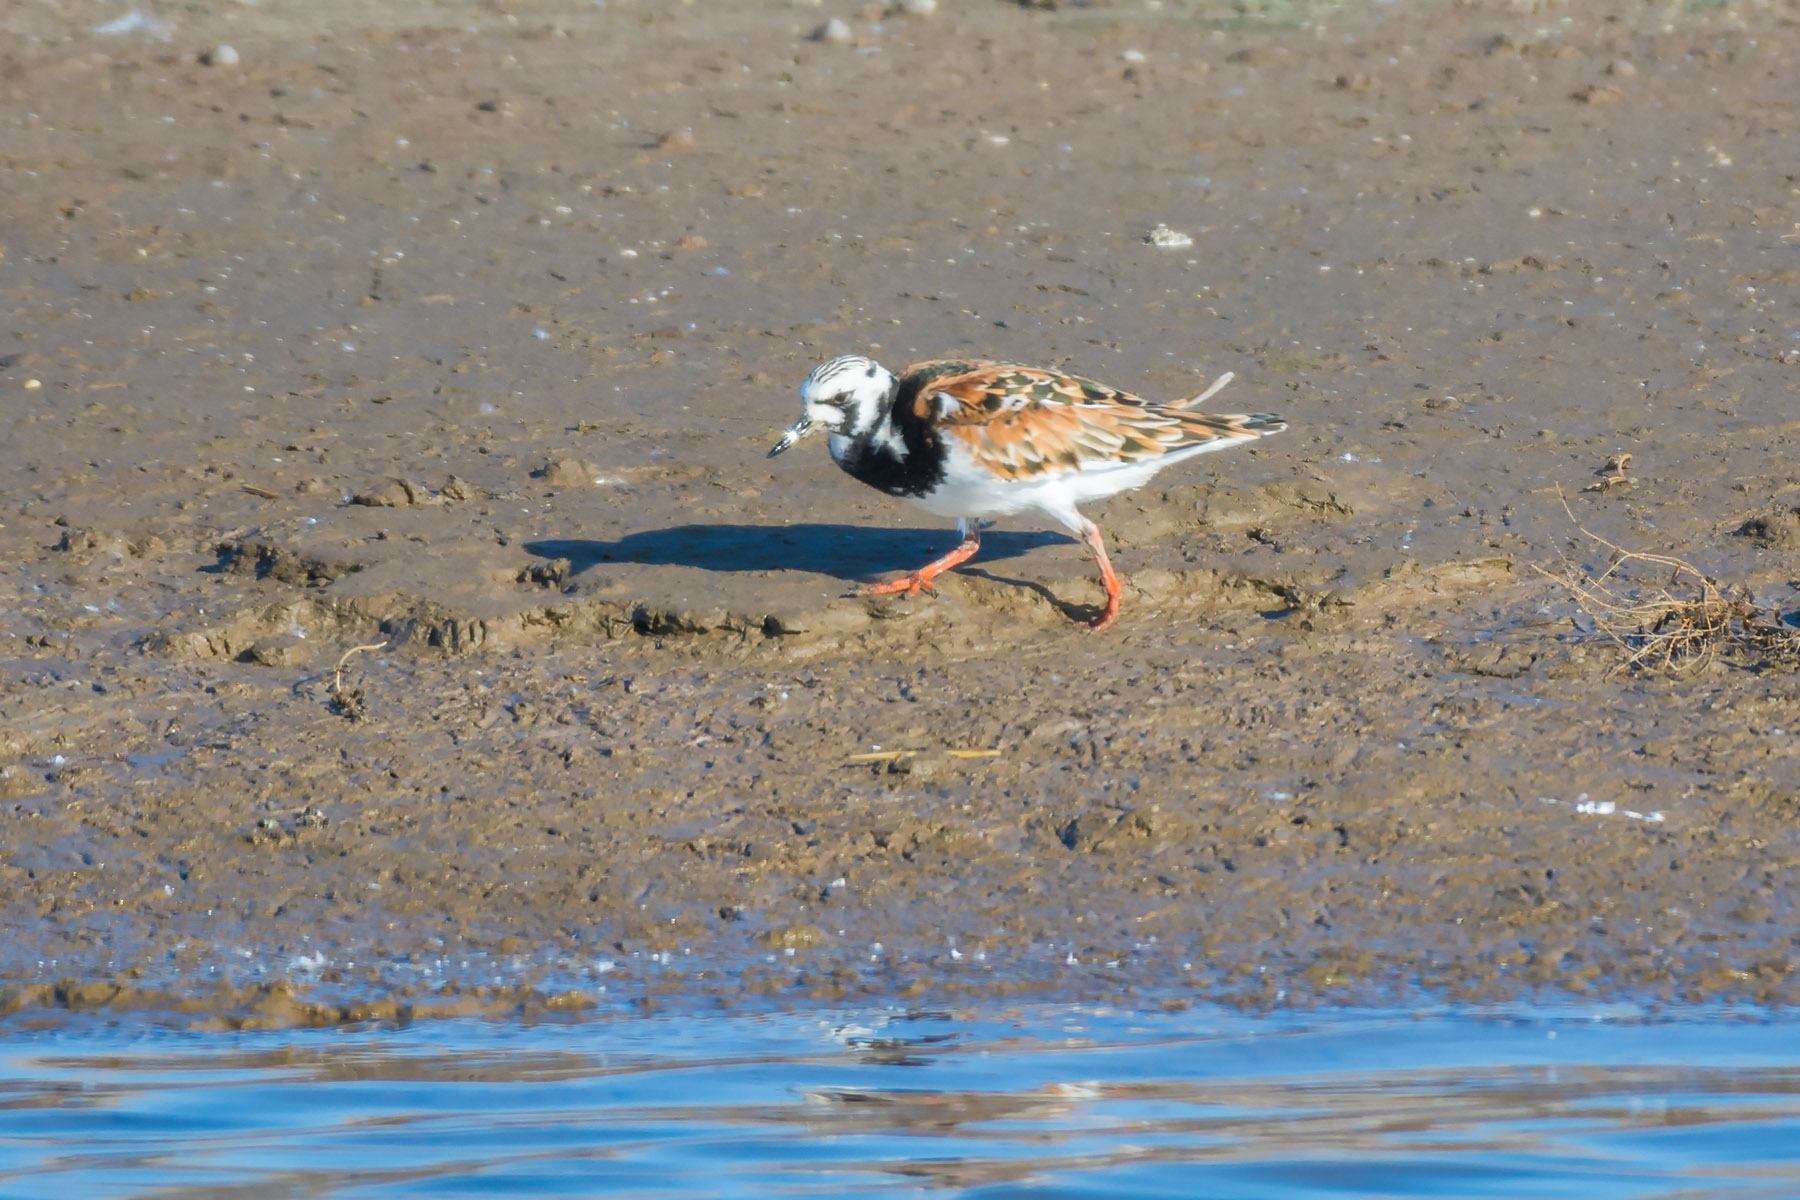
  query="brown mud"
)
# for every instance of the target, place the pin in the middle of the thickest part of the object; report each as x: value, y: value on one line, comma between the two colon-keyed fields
x: 460, y: 331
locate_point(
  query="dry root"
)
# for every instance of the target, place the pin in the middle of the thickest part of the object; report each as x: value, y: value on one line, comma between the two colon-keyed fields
x: 1681, y: 624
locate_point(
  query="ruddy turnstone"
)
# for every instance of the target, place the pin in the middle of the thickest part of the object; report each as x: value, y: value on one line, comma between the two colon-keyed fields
x: 969, y: 440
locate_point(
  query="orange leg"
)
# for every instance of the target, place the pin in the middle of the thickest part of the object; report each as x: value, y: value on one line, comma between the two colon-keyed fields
x: 1090, y: 533
x: 920, y: 580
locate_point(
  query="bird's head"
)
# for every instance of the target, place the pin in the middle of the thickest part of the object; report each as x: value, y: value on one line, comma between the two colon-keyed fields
x: 844, y: 395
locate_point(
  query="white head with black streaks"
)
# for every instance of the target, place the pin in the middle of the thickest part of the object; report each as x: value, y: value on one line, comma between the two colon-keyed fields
x: 847, y: 395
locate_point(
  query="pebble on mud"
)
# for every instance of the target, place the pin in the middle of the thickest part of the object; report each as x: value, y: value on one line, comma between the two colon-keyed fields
x: 219, y: 56
x: 834, y: 31
x: 676, y: 139
x: 918, y: 8
x: 1599, y: 93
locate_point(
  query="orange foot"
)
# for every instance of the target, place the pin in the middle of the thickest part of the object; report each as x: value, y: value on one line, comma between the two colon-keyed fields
x: 1107, y: 614
x: 912, y: 585
x: 920, y: 580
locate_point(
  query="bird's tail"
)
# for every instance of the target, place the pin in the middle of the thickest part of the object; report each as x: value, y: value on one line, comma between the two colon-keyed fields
x: 1258, y: 424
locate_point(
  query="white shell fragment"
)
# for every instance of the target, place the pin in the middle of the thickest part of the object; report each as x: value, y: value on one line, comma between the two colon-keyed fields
x: 1169, y: 239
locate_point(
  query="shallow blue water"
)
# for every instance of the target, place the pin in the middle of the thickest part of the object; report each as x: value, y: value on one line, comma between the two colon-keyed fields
x: 1033, y: 1102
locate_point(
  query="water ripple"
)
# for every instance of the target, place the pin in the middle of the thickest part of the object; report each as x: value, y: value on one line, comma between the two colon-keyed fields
x: 1041, y: 1103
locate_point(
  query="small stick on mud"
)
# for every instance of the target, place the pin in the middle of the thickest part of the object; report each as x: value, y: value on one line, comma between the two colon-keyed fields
x: 349, y: 703
x: 1683, y: 625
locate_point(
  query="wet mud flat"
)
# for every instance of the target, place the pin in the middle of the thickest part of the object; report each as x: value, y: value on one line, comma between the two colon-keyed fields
x: 458, y: 335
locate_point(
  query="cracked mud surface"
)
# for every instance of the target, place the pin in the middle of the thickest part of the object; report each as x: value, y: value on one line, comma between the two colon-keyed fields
x: 461, y: 336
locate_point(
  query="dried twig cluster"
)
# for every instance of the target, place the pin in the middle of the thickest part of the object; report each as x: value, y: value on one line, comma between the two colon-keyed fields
x: 1681, y: 624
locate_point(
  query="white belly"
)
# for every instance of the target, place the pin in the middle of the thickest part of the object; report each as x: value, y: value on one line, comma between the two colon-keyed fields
x: 969, y: 492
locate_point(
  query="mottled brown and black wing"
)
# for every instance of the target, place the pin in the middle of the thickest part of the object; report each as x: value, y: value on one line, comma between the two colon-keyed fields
x: 1022, y: 422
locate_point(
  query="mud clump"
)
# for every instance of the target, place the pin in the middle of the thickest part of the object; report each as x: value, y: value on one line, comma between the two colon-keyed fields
x: 1779, y: 530
x: 394, y: 493
x: 283, y: 564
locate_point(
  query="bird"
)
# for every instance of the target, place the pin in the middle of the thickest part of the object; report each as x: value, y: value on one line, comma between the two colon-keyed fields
x: 973, y: 440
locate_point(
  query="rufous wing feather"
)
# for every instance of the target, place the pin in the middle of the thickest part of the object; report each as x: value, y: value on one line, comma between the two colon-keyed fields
x: 1025, y: 421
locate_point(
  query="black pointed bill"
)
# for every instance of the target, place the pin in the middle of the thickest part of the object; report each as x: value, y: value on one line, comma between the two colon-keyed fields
x: 796, y: 431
